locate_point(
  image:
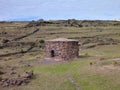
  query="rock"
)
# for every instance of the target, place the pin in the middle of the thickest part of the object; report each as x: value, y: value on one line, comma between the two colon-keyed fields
x: 8, y: 81
x: 13, y: 68
x: 27, y: 75
x: 4, y: 79
x: 13, y: 82
x: 19, y: 82
x: 5, y: 85
x: 12, y: 73
x: 28, y: 65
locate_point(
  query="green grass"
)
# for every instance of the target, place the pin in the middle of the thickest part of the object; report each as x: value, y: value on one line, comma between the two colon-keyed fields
x: 106, y: 51
x: 54, y: 77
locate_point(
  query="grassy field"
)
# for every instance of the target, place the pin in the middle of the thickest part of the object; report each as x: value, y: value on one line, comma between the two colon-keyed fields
x: 97, y: 68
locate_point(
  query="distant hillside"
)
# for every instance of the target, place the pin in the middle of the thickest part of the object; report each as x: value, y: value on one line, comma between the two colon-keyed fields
x: 68, y: 23
x: 74, y: 23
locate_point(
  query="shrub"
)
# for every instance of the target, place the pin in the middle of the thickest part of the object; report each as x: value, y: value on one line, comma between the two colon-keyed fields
x: 91, y: 63
x: 80, y: 25
x: 115, y: 63
x: 1, y: 72
x: 86, y: 55
x: 42, y: 41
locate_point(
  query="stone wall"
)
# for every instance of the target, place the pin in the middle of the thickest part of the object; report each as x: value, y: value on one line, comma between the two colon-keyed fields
x: 63, y: 50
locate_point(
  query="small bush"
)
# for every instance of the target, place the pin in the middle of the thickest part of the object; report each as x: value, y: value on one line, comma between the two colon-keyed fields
x: 115, y: 63
x: 86, y: 55
x: 91, y: 63
x: 1, y: 72
x: 42, y: 41
x: 80, y: 25
x: 22, y: 51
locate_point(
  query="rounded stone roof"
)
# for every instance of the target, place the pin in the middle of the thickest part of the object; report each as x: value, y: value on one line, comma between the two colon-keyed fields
x: 62, y: 39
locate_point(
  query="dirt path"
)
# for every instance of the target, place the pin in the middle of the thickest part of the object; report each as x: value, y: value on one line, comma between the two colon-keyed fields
x: 106, y: 67
x: 113, y: 59
x: 72, y: 80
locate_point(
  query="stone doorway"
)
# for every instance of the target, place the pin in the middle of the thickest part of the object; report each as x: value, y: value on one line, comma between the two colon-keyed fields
x: 52, y: 53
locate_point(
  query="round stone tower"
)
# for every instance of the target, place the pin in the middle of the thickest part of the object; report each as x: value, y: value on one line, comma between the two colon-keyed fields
x: 61, y: 49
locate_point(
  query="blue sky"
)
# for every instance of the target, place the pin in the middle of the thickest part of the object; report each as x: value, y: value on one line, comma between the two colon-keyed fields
x: 59, y: 9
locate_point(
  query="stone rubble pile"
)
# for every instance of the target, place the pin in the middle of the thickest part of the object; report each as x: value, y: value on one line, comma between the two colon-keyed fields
x: 20, y: 80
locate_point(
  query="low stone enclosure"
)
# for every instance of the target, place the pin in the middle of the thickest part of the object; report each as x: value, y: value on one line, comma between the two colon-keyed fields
x: 61, y: 49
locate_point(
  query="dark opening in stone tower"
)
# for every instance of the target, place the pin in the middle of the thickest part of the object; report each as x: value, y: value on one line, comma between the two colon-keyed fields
x: 52, y: 53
